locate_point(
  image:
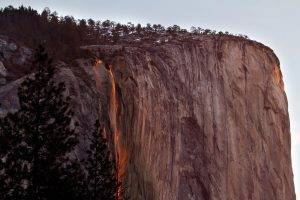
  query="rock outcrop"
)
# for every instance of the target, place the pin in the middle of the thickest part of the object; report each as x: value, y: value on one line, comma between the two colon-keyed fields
x: 188, y: 120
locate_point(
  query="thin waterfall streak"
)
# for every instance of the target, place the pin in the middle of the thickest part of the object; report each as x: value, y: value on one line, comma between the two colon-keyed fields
x: 121, y: 155
x: 120, y: 152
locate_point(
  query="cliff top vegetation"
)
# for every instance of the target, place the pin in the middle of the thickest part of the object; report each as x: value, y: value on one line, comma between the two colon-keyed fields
x: 64, y: 35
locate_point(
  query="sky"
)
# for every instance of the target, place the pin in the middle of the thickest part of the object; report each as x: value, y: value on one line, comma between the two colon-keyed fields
x: 272, y: 22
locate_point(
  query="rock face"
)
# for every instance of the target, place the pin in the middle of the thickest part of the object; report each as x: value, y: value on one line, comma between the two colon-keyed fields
x: 13, y: 60
x: 189, y: 120
x: 3, y: 74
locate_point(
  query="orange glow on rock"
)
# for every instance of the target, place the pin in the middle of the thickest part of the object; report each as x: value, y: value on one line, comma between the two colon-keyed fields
x: 278, y: 77
x: 98, y: 62
x: 120, y: 152
x: 96, y: 67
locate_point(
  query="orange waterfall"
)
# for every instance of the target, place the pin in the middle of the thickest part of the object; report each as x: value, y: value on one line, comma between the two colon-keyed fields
x: 120, y: 152
x: 96, y: 67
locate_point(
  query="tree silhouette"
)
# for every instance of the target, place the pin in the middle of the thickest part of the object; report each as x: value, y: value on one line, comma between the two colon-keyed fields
x: 36, y: 141
x: 101, y: 181
x: 64, y: 35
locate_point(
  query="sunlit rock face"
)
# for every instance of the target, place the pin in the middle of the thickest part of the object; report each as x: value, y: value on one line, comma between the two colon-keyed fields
x: 188, y: 120
x: 204, y: 120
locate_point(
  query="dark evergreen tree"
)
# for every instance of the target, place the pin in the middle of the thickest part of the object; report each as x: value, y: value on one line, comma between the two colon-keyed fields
x: 101, y: 180
x: 36, y: 141
x: 13, y: 172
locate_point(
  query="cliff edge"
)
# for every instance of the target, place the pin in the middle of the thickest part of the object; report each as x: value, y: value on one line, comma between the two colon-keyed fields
x: 188, y: 120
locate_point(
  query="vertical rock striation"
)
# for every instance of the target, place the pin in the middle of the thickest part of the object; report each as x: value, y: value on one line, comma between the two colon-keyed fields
x: 204, y: 120
x: 193, y: 120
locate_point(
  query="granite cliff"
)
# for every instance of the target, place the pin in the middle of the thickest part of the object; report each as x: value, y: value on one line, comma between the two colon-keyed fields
x: 204, y: 119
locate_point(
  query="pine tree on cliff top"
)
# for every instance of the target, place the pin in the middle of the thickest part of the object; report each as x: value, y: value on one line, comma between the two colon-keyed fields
x: 36, y: 140
x: 101, y: 181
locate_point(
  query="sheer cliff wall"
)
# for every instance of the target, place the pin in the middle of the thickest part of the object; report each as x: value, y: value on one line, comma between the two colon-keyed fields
x: 188, y: 120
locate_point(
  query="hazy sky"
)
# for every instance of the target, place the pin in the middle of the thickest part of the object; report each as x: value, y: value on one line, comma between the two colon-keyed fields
x: 272, y: 22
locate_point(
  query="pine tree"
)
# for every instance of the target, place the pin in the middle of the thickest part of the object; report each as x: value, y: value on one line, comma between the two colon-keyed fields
x: 101, y: 180
x: 36, y: 141
x: 13, y: 168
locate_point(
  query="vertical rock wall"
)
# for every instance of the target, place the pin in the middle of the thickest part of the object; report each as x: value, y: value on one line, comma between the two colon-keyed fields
x: 204, y: 120
x: 188, y: 120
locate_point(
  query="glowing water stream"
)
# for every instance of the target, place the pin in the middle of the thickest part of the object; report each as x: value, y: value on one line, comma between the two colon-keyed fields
x: 121, y: 154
